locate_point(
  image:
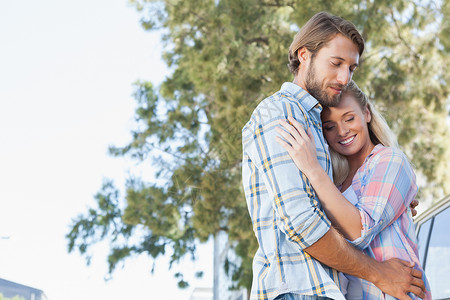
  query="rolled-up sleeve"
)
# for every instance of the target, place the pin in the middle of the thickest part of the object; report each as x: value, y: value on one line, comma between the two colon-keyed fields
x: 387, y: 188
x: 297, y: 210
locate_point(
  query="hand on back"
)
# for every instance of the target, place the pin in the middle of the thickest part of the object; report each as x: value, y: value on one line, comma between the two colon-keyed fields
x: 398, y: 278
x: 300, y: 145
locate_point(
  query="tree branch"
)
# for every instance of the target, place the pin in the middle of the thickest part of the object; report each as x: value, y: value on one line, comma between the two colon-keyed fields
x: 261, y: 40
x: 415, y: 54
x: 278, y: 3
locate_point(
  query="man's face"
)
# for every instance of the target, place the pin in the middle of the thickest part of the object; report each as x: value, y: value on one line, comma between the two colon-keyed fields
x: 331, y: 69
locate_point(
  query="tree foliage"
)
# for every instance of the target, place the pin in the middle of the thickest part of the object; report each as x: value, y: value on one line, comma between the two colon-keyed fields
x: 13, y: 298
x: 226, y: 56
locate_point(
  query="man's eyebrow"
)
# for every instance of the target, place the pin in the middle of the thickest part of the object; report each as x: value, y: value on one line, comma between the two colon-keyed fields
x: 338, y: 57
x: 342, y: 59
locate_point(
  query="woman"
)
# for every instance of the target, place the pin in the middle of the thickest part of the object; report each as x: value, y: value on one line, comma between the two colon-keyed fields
x: 373, y: 187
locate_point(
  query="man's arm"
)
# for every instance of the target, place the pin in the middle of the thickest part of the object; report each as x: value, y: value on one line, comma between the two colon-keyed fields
x: 394, y: 276
x: 299, y: 211
x: 293, y: 200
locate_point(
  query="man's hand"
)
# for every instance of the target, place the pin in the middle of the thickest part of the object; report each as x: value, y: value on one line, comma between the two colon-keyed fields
x: 398, y: 277
x: 413, y: 205
x: 395, y: 277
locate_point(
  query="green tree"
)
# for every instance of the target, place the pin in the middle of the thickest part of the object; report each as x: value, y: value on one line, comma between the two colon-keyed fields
x: 225, y: 57
x: 13, y: 298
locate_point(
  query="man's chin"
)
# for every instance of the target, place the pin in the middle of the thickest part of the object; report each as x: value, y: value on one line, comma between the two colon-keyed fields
x: 330, y: 101
x: 325, y: 99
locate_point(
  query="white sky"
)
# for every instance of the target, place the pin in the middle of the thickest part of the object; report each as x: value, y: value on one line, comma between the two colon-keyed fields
x: 66, y: 74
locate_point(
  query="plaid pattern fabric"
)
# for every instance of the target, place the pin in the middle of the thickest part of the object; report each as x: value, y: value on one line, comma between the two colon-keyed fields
x: 385, y: 185
x: 285, y: 212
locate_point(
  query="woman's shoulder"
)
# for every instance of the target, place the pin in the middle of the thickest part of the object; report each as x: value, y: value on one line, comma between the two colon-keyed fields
x: 385, y: 151
x: 387, y: 154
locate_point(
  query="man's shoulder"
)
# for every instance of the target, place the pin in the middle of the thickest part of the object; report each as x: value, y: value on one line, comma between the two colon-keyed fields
x: 277, y: 106
x: 289, y: 93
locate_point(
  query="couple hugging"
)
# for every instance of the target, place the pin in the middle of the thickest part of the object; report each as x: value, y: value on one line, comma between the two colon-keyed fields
x: 329, y: 192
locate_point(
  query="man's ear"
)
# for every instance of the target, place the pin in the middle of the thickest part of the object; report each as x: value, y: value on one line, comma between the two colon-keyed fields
x: 303, y: 55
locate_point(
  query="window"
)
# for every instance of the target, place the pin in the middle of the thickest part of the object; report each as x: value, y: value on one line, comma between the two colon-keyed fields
x: 437, y: 261
x: 422, y: 240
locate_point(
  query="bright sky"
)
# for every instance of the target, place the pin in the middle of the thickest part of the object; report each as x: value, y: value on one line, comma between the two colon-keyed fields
x: 66, y: 74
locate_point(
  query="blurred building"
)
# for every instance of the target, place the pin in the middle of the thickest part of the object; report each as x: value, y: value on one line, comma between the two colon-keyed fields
x: 11, y: 289
x: 222, y: 282
x: 202, y: 294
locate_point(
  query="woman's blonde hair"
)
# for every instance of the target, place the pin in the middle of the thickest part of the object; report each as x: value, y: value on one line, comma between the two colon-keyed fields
x: 379, y: 133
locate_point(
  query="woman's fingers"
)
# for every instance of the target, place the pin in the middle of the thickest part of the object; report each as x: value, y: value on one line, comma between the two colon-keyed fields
x: 291, y: 129
x: 311, y: 136
x: 284, y: 144
x: 296, y: 135
x: 287, y: 136
x: 298, y: 126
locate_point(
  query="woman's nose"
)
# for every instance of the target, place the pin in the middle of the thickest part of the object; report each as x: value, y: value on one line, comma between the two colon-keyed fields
x: 343, y: 130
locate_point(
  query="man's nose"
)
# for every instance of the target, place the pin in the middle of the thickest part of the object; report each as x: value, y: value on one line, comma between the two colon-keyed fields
x: 344, y: 76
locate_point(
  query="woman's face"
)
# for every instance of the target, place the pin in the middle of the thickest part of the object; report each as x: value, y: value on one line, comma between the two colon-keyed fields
x: 346, y: 127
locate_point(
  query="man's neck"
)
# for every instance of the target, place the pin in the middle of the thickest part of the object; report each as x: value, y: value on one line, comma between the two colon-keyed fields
x: 298, y: 81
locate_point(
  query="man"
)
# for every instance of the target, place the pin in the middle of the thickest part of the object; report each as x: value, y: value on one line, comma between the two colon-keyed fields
x: 294, y: 235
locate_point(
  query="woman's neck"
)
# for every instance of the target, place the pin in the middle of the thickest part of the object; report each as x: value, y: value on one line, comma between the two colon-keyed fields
x: 348, y: 181
x: 354, y: 163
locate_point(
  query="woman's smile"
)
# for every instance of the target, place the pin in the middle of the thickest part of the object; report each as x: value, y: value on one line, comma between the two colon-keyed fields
x: 347, y: 141
x: 345, y: 128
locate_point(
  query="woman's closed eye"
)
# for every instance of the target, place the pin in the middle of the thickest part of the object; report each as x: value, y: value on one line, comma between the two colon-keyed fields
x: 350, y: 119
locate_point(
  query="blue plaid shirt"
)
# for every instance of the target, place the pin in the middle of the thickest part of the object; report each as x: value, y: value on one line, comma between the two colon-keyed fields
x: 286, y: 214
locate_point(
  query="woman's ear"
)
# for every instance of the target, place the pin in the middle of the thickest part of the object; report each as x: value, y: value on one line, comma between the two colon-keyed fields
x: 367, y: 114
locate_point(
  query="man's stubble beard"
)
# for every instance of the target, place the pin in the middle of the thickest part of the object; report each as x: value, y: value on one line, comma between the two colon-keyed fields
x: 314, y: 88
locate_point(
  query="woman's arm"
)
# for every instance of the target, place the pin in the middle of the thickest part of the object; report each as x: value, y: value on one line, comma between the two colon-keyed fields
x: 343, y: 215
x: 387, y: 185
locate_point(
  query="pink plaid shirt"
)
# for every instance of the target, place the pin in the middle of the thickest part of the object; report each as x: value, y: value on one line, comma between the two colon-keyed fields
x: 385, y: 185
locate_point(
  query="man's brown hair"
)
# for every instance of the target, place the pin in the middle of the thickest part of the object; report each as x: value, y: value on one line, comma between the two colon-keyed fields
x: 319, y: 30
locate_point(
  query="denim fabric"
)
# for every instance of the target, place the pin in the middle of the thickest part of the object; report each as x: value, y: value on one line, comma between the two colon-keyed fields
x: 291, y: 296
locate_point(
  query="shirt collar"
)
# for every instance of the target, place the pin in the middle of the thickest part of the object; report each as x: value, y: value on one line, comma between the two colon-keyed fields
x: 307, y: 101
x: 375, y: 149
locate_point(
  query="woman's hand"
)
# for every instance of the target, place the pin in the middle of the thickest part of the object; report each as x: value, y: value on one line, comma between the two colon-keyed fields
x: 300, y: 146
